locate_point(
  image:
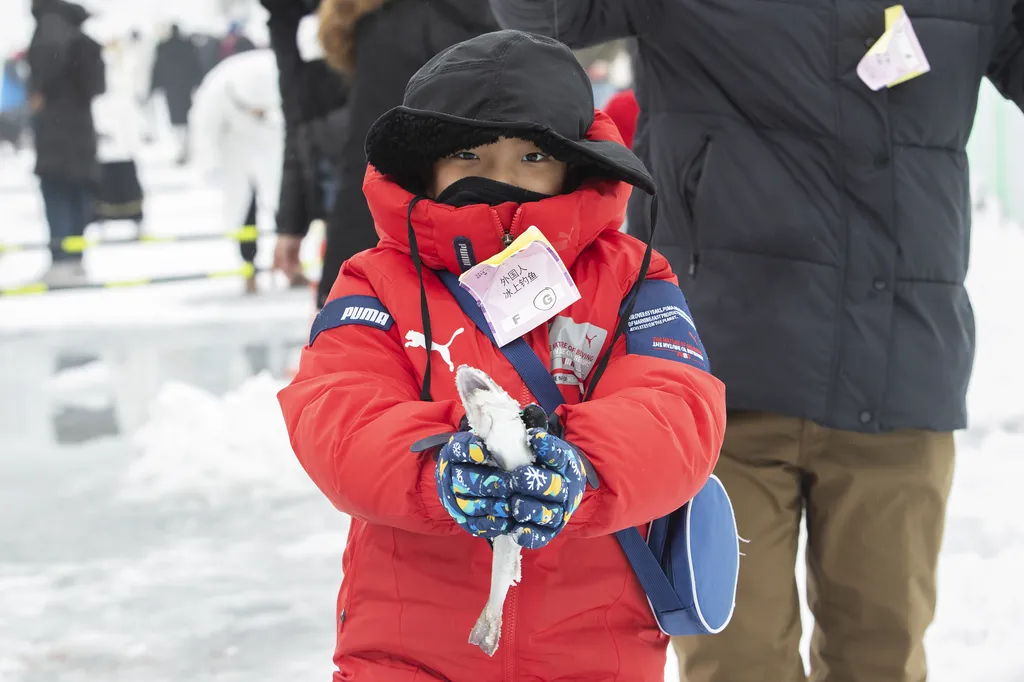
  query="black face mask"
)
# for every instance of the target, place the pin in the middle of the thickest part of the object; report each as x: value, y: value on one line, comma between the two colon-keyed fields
x: 476, y: 190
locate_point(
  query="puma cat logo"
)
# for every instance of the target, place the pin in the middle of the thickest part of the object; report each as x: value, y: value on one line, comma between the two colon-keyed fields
x: 415, y: 339
x: 590, y: 339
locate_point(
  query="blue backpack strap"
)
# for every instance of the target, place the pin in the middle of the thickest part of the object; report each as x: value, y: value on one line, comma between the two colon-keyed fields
x: 538, y: 379
x: 530, y: 367
x: 648, y: 571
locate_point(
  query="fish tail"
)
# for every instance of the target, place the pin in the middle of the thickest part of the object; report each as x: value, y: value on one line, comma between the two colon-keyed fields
x: 487, y: 632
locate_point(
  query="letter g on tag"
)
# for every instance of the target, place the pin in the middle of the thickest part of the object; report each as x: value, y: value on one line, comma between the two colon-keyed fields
x: 545, y: 300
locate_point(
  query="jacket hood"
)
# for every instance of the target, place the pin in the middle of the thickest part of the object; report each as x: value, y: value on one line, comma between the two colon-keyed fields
x: 70, y: 12
x: 571, y: 222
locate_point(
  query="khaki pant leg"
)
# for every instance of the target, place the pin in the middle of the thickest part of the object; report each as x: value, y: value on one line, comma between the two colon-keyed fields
x: 875, y: 518
x: 761, y: 643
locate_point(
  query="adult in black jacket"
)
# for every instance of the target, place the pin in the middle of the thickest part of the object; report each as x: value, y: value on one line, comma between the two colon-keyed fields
x: 67, y: 72
x: 380, y: 45
x: 820, y: 230
x: 313, y: 97
x: 177, y: 71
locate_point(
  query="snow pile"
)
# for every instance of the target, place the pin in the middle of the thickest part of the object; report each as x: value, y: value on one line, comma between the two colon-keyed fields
x: 197, y: 443
x: 980, y: 617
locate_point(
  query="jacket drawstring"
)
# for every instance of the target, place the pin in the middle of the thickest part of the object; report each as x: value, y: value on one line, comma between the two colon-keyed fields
x: 619, y: 329
x: 424, y: 309
x: 624, y: 317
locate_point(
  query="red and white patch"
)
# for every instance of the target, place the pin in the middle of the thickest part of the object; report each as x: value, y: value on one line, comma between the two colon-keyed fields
x: 575, y: 348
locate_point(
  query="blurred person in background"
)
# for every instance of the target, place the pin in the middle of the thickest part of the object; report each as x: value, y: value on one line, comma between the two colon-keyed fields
x: 815, y: 201
x: 14, y: 109
x: 237, y: 139
x: 67, y: 73
x: 314, y: 99
x: 603, y: 89
x: 379, y: 45
x: 234, y: 42
x: 624, y: 110
x: 177, y: 73
x: 207, y: 51
x: 119, y: 127
x: 140, y: 53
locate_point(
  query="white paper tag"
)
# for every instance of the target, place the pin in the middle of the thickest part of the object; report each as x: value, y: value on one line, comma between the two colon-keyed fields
x: 896, y: 57
x: 522, y: 287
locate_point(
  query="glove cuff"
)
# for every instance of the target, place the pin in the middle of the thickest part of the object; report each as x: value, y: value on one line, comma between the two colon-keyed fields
x: 556, y: 427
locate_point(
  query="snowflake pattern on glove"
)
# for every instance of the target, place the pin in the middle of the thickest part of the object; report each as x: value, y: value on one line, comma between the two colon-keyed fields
x: 536, y: 479
x: 545, y: 495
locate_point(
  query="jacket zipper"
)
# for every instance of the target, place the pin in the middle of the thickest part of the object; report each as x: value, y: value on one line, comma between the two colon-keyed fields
x: 508, y: 627
x: 508, y: 635
x: 698, y: 164
x: 507, y: 236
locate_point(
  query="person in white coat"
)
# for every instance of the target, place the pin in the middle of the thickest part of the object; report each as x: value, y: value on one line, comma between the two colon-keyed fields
x: 118, y: 121
x: 237, y: 139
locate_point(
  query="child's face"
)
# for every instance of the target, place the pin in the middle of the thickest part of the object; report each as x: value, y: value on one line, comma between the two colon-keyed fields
x: 509, y: 160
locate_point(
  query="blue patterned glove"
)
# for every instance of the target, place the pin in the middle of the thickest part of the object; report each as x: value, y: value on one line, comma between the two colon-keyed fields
x: 545, y: 495
x: 473, y: 490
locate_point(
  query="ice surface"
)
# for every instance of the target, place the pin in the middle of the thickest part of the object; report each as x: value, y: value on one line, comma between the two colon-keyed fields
x: 197, y: 551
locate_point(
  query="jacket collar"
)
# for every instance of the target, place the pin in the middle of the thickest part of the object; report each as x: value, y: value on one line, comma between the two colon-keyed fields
x: 571, y: 222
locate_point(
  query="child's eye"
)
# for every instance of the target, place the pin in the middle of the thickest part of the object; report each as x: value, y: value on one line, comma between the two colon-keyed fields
x: 536, y: 157
x: 464, y: 156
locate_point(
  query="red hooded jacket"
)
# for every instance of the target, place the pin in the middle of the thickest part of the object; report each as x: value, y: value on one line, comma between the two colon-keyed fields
x: 414, y: 581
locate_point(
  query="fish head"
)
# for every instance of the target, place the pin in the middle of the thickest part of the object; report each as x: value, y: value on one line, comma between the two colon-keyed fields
x: 494, y: 416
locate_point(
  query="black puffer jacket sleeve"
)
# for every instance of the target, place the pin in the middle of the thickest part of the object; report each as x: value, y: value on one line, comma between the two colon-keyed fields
x: 1006, y: 68
x: 309, y: 91
x: 292, y: 216
x: 577, y: 23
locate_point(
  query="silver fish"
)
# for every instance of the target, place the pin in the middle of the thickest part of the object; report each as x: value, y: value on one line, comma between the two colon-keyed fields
x: 495, y: 416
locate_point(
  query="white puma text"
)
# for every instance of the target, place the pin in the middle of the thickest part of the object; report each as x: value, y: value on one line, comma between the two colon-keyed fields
x: 415, y: 339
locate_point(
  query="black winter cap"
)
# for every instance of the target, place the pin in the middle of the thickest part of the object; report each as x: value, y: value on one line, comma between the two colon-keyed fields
x: 501, y: 84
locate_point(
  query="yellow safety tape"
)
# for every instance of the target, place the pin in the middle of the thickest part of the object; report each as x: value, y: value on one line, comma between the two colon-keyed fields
x: 26, y: 290
x: 246, y: 270
x: 249, y: 233
x: 77, y: 244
